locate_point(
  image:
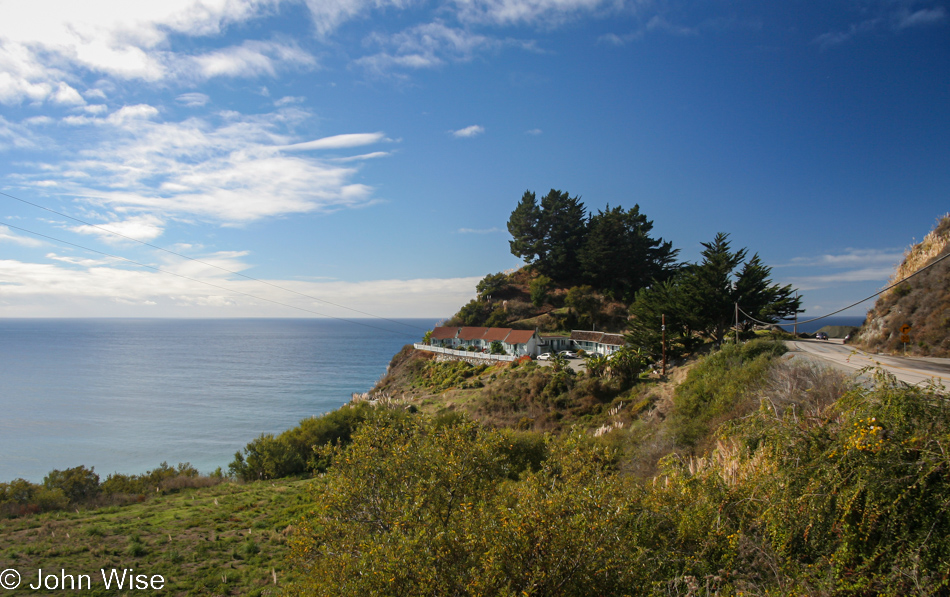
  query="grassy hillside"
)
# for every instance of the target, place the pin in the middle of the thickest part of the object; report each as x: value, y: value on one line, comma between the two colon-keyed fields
x: 230, y: 539
x: 922, y: 302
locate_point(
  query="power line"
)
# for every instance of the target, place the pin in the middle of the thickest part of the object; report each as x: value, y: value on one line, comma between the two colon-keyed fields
x: 230, y: 290
x: 921, y: 270
x: 224, y: 269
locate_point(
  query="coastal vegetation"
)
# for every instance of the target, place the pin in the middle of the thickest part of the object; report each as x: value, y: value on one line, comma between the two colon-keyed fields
x: 739, y: 472
x: 605, y: 271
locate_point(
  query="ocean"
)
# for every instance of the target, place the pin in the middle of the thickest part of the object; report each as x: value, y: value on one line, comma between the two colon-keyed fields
x: 124, y: 395
x: 814, y: 326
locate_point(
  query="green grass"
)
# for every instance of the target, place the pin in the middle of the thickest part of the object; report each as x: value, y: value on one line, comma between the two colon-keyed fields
x: 230, y: 539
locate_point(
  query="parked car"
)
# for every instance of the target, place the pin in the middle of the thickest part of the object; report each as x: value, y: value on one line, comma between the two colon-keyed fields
x: 821, y: 336
x: 567, y: 354
x: 544, y: 356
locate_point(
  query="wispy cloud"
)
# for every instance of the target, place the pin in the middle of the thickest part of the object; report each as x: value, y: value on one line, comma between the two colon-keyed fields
x: 142, y: 228
x: 534, y: 132
x: 848, y: 266
x: 337, y: 142
x: 8, y: 236
x: 477, y: 230
x: 193, y: 100
x: 867, y: 274
x: 469, y: 131
x: 851, y: 258
x: 530, y: 12
x: 891, y: 16
x: 234, y: 169
x: 429, y: 45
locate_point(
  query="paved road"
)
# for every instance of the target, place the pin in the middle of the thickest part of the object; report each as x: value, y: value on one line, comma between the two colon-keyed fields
x: 907, y: 369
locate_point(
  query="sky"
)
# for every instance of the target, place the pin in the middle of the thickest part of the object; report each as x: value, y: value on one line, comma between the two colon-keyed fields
x: 354, y: 158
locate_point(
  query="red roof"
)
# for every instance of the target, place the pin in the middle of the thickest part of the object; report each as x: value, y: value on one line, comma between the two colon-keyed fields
x: 444, y: 333
x: 519, y: 336
x: 472, y: 333
x: 496, y: 334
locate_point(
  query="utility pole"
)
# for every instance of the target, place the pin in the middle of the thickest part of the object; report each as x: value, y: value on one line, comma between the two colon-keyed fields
x: 663, y: 329
x: 795, y: 332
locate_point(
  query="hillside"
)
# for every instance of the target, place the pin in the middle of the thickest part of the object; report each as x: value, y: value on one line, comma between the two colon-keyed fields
x: 922, y: 302
x: 524, y: 299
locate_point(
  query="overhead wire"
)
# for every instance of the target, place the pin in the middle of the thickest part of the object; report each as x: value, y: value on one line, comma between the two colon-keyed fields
x: 883, y: 290
x: 206, y: 283
x: 224, y: 269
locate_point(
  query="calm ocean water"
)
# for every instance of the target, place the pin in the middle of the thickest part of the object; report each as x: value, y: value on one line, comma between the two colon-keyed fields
x: 814, y: 326
x: 123, y: 395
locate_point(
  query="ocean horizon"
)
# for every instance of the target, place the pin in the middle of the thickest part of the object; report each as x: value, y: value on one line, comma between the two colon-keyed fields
x: 124, y: 395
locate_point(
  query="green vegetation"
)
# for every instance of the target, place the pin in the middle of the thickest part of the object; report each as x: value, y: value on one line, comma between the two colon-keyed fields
x: 720, y: 387
x: 228, y: 539
x: 291, y: 452
x: 820, y: 488
x: 79, y: 487
x: 701, y: 300
x: 611, y: 251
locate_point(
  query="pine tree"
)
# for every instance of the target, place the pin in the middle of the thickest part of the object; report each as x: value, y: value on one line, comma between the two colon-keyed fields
x: 620, y: 257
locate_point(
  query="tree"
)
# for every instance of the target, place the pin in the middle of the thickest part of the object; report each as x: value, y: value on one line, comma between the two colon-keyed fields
x: 585, y: 303
x: 710, y: 288
x: 619, y: 256
x: 664, y: 303
x: 549, y: 235
x: 492, y: 284
x: 759, y: 298
x: 79, y: 484
x: 702, y: 299
x: 539, y: 288
x: 524, y: 225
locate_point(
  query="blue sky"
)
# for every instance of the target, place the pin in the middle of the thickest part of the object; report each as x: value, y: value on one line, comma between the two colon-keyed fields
x: 367, y: 153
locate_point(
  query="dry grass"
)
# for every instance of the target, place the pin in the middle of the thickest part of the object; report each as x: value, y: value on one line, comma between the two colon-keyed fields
x: 922, y: 302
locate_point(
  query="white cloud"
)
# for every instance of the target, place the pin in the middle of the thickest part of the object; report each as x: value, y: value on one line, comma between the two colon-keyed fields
x: 45, y: 44
x: 143, y: 228
x: 193, y: 100
x: 251, y: 59
x: 922, y: 17
x: 8, y: 236
x: 469, y: 131
x: 95, y: 288
x: 534, y: 132
x: 233, y: 172
x: 429, y: 45
x: 288, y: 100
x: 16, y: 136
x: 851, y: 258
x: 867, y: 274
x: 337, y: 142
x: 477, y: 230
x: 531, y: 12
x: 327, y: 15
x: 890, y: 16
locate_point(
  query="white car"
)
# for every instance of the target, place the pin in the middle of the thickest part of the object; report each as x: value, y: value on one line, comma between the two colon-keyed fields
x: 545, y: 356
x: 567, y: 354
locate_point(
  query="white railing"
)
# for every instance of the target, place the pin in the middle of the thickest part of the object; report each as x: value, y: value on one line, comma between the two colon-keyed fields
x: 465, y: 353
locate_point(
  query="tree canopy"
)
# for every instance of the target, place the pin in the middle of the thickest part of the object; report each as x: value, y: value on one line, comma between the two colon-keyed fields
x: 612, y: 250
x: 703, y: 298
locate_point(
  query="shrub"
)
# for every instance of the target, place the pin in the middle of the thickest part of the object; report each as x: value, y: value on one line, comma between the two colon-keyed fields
x: 721, y: 385
x: 78, y: 484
